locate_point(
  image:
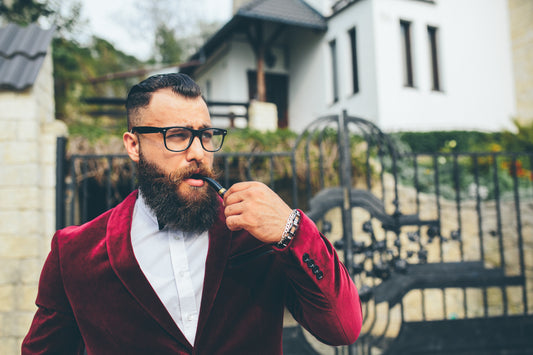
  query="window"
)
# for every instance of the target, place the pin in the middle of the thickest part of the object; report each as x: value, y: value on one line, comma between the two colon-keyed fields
x: 208, y: 89
x: 433, y: 47
x: 355, y: 73
x: 408, y: 78
x: 334, y: 74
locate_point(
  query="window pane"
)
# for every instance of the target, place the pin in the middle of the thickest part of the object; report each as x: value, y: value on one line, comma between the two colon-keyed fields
x: 355, y: 70
x: 432, y: 37
x: 405, y: 27
x: 335, y: 80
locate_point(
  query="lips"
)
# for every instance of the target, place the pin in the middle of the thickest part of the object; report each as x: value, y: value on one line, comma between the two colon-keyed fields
x: 195, y: 180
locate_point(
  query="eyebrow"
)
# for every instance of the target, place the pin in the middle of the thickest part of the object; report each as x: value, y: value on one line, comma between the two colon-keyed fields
x: 201, y: 127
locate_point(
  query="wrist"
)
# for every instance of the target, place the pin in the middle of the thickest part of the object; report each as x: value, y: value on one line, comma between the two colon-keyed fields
x: 291, y: 227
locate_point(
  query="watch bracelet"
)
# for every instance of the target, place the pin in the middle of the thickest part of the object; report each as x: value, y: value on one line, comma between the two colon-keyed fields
x: 293, y: 222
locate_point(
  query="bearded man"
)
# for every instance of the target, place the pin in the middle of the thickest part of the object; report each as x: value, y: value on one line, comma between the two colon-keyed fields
x: 174, y: 268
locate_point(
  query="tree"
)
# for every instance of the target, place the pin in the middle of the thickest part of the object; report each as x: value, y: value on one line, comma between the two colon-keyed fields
x: 64, y: 15
x: 167, y: 46
x: 74, y: 63
x: 176, y: 26
x: 24, y: 12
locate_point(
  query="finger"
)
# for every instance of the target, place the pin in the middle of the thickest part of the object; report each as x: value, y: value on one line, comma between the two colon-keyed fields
x: 233, y: 223
x: 234, y: 209
x: 241, y: 189
x: 240, y: 186
x: 239, y: 192
x: 232, y: 198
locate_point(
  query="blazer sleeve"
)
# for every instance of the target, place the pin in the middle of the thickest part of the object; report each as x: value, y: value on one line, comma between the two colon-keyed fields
x: 321, y: 294
x: 54, y: 329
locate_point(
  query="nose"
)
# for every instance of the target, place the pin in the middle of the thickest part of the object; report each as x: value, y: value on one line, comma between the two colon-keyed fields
x: 196, y: 151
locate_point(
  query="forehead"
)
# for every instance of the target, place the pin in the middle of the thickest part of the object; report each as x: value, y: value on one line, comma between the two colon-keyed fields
x: 166, y: 108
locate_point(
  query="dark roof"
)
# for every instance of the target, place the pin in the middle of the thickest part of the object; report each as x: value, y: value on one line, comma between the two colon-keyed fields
x: 22, y: 52
x: 285, y: 12
x: 291, y: 12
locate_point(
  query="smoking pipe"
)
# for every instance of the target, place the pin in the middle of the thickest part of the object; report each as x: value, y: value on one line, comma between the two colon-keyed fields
x: 215, y: 185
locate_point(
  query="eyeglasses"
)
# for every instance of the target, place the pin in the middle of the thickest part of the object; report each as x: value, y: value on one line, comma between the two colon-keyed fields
x: 179, y: 139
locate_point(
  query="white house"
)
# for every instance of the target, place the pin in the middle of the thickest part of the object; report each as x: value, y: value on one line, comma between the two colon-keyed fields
x: 403, y: 64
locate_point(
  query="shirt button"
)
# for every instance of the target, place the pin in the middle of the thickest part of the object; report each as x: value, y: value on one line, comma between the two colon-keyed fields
x: 191, y: 317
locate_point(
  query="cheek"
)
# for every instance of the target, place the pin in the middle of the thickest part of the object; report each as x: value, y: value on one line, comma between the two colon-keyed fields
x: 209, y: 160
x: 165, y: 160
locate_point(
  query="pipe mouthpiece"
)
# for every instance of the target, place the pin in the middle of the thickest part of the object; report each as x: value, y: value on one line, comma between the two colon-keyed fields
x: 214, y: 184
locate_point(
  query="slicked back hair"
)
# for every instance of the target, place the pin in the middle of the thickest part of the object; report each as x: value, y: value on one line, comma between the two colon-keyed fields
x: 141, y: 93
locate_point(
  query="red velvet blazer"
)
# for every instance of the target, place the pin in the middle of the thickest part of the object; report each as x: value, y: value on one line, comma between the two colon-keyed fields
x: 92, y: 293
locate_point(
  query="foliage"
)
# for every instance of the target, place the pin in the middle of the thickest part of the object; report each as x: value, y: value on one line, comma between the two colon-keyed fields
x: 97, y: 130
x: 440, y: 141
x: 65, y: 16
x: 250, y: 140
x: 176, y: 27
x: 168, y: 48
x: 522, y: 140
x: 24, y: 12
x: 74, y: 64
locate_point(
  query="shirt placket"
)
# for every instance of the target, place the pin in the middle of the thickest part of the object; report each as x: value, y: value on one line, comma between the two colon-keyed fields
x: 184, y: 285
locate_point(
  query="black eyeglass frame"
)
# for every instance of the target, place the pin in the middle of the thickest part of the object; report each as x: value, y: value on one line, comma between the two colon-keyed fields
x: 195, y: 133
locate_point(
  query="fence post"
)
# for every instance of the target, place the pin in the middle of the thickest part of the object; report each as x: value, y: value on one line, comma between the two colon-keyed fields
x: 60, y: 181
x: 346, y: 183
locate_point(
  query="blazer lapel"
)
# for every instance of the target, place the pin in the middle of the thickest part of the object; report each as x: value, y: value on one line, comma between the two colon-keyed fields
x: 217, y: 256
x: 128, y: 271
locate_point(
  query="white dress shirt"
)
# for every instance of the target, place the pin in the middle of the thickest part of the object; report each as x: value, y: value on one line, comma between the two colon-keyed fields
x: 174, y: 264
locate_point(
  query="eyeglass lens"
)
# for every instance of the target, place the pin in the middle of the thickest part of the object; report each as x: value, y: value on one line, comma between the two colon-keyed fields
x: 178, y: 139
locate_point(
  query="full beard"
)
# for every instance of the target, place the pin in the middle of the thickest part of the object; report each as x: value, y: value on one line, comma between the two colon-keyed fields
x: 192, y: 211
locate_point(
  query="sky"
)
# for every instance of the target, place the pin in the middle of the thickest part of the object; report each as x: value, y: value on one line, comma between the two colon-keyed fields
x: 110, y: 19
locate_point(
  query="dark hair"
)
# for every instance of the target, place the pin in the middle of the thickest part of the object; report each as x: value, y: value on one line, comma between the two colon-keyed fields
x: 141, y: 93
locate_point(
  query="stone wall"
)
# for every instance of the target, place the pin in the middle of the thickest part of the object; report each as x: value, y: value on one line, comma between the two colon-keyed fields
x: 27, y: 200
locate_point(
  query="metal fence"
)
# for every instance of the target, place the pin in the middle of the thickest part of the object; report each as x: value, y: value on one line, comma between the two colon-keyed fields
x: 440, y: 245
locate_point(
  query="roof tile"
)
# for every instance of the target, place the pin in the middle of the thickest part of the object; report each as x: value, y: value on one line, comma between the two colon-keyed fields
x: 22, y: 52
x: 294, y: 12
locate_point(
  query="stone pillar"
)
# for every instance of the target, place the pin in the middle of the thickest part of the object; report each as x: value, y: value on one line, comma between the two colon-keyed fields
x: 521, y: 20
x: 27, y: 200
x: 263, y: 116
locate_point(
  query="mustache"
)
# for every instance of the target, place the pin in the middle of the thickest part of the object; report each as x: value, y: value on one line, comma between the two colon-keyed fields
x: 200, y: 171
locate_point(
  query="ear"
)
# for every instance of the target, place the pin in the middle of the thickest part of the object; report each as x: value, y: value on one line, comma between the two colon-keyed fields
x: 131, y: 142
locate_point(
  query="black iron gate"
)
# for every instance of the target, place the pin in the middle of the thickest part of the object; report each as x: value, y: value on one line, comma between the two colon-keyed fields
x: 439, y: 245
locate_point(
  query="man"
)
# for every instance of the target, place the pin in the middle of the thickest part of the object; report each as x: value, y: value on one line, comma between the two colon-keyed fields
x: 175, y: 269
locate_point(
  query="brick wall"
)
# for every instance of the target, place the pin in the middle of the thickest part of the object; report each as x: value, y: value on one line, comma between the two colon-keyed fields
x: 28, y: 132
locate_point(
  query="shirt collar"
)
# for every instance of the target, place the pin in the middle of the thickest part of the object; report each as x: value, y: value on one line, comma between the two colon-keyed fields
x: 147, y: 213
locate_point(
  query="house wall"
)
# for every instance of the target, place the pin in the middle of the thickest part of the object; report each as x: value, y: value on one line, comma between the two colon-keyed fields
x: 475, y: 66
x: 27, y: 200
x: 477, y: 89
x: 225, y: 78
x: 307, y: 90
x: 363, y: 104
